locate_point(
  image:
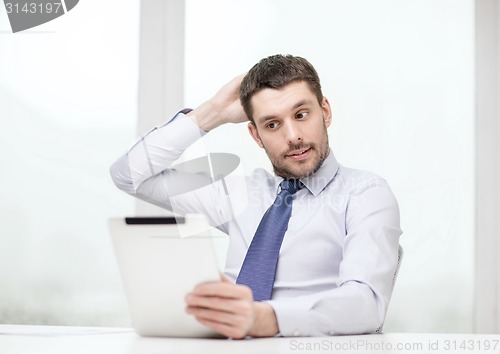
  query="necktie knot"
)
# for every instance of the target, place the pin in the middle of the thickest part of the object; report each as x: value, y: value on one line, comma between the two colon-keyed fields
x: 290, y: 185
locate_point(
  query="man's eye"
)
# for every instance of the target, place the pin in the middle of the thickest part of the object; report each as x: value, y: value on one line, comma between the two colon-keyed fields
x: 272, y: 125
x: 301, y: 115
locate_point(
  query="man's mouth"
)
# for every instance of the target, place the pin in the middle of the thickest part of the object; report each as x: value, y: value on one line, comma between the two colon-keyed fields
x: 299, y: 154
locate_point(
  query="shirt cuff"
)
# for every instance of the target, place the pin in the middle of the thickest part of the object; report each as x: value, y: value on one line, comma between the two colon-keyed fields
x: 292, y: 316
x: 181, y: 133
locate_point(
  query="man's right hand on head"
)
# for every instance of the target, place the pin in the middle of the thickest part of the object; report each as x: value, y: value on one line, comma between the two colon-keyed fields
x: 224, y: 107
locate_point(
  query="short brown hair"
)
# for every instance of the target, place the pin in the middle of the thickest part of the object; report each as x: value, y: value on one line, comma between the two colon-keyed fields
x: 276, y: 72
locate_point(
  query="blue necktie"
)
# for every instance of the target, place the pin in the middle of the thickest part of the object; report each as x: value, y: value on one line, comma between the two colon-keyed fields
x: 259, y: 267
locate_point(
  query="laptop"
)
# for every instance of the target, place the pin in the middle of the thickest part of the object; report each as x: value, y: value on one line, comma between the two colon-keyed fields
x: 161, y: 259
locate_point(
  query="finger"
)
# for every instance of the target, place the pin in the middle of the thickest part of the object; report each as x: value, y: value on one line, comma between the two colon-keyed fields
x: 241, y: 307
x: 223, y: 289
x: 224, y: 329
x: 230, y: 326
x: 216, y: 316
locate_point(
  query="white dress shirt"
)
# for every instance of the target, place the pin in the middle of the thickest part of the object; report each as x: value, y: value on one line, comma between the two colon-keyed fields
x: 340, y: 252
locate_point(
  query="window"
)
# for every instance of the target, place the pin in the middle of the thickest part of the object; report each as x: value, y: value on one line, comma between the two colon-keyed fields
x: 67, y: 109
x: 399, y: 76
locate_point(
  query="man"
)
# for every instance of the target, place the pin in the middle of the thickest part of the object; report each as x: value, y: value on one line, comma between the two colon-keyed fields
x: 339, y: 252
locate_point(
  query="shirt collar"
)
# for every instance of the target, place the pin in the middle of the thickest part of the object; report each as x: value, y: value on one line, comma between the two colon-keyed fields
x: 318, y: 181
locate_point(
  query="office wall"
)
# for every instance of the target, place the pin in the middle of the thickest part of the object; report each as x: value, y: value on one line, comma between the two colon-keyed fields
x: 487, y: 166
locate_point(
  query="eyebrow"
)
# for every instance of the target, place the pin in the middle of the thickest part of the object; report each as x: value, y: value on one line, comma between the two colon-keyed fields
x: 300, y: 103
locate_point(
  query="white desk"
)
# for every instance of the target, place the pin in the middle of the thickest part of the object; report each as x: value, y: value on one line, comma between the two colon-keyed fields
x: 90, y: 340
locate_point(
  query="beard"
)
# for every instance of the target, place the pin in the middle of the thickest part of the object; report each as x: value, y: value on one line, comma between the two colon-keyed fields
x: 301, y: 169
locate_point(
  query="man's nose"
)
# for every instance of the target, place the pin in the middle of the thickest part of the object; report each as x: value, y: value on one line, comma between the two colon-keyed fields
x: 293, y: 133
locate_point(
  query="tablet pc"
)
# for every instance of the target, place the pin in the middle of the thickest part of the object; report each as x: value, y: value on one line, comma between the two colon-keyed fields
x: 161, y: 259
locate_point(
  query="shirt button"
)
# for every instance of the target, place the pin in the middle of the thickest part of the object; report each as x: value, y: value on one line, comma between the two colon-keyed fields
x: 296, y: 333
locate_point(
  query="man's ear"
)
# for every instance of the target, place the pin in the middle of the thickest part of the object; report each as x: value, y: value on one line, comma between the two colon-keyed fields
x: 252, y: 129
x: 327, y: 112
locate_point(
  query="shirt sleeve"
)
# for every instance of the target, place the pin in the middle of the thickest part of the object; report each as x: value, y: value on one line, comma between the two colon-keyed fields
x: 145, y: 172
x: 366, y: 277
